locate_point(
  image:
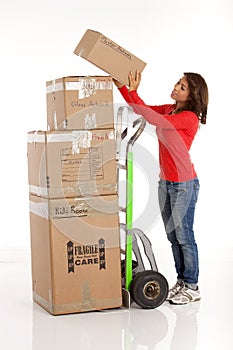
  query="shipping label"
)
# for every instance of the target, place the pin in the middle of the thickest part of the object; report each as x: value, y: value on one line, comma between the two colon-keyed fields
x: 84, y: 164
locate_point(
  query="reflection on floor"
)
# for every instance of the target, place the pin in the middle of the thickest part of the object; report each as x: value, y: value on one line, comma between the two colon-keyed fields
x: 206, y: 324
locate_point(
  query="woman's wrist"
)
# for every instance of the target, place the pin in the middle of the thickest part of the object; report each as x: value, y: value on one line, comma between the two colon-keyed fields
x: 118, y: 84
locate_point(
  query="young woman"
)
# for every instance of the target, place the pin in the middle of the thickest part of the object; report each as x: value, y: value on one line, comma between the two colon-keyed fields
x: 176, y: 126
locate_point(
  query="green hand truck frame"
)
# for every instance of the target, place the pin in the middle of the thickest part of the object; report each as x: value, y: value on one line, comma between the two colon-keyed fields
x: 147, y: 288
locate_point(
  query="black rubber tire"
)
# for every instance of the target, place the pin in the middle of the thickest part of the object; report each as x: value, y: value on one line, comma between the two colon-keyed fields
x: 149, y: 289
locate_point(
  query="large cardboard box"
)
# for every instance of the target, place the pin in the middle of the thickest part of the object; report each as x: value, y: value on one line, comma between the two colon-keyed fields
x: 80, y: 103
x: 108, y: 55
x: 72, y: 163
x: 75, y: 253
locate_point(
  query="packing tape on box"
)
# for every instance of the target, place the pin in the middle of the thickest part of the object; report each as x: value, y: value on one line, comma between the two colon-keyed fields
x: 38, y: 190
x: 86, y: 304
x: 90, y: 121
x: 46, y: 304
x: 79, y: 138
x: 86, y: 86
x: 79, y: 190
x: 40, y: 209
x: 35, y: 137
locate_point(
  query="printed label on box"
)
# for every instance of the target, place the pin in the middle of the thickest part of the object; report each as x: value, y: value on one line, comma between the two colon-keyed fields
x: 85, y: 165
x: 86, y: 255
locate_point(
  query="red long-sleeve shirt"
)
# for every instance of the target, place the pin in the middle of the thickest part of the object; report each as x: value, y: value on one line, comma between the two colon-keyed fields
x: 175, y: 136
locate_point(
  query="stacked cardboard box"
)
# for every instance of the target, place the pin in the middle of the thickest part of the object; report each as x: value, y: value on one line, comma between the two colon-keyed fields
x: 108, y: 55
x: 75, y: 253
x: 72, y: 163
x: 80, y: 103
x: 74, y: 219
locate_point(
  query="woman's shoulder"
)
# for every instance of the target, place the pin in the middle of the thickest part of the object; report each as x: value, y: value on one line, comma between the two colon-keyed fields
x: 163, y: 109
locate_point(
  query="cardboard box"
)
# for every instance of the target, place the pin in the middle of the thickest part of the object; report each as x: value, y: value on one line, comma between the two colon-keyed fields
x: 75, y: 253
x: 80, y: 103
x: 109, y: 56
x: 72, y: 163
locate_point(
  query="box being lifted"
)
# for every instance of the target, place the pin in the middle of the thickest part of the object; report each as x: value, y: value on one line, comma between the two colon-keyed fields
x: 75, y: 249
x: 107, y: 55
x: 72, y: 163
x: 80, y: 103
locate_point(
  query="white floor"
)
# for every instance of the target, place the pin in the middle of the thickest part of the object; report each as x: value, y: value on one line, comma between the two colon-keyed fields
x: 207, y: 324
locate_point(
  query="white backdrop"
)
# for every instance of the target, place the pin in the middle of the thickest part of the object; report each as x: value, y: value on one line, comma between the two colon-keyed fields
x: 37, y: 42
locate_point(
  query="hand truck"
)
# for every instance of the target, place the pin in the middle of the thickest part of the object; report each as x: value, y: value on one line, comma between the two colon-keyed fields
x: 147, y: 288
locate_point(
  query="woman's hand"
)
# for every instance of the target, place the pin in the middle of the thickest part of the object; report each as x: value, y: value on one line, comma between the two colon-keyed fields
x: 134, y: 80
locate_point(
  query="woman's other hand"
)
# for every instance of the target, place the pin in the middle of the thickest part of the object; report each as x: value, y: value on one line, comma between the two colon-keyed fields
x: 134, y: 80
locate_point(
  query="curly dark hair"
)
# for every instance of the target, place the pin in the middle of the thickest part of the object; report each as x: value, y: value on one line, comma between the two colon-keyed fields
x: 198, y: 96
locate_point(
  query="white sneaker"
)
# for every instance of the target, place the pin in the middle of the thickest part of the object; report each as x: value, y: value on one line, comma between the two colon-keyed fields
x: 175, y: 290
x: 185, y: 296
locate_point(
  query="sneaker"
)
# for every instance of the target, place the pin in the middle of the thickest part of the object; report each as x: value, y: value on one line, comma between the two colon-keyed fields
x: 175, y: 290
x: 185, y: 296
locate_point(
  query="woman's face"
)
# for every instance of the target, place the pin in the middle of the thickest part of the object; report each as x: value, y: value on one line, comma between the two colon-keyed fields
x: 180, y: 92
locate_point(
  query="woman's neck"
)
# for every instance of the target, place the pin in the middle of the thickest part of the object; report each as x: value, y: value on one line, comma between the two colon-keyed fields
x: 180, y: 105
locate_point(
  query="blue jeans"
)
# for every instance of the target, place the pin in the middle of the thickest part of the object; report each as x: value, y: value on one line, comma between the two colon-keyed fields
x: 177, y: 202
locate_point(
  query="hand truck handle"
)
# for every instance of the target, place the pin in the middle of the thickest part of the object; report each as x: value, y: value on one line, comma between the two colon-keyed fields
x: 138, y: 132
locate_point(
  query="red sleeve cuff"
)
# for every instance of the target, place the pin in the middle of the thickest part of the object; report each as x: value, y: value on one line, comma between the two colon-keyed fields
x: 123, y: 88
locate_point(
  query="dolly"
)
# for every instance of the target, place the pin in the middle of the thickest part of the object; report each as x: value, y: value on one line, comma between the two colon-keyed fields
x: 146, y: 287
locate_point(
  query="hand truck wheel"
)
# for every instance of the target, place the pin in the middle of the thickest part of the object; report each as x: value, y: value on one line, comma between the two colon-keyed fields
x: 149, y: 289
